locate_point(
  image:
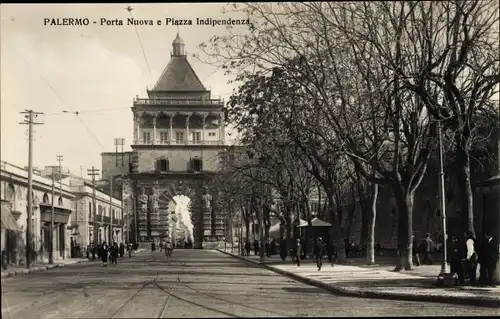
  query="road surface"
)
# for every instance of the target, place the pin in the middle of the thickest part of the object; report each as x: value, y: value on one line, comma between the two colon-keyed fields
x: 193, y: 283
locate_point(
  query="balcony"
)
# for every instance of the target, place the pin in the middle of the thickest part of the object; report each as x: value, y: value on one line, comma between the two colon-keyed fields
x: 163, y: 142
x: 160, y: 101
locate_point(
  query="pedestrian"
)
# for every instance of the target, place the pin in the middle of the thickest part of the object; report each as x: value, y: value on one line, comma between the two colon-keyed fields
x: 115, y: 253
x: 122, y: 250
x: 426, y: 249
x: 273, y: 247
x: 283, y: 249
x: 488, y: 258
x: 247, y: 247
x: 378, y: 247
x: 256, y: 247
x: 319, y: 250
x: 153, y: 246
x: 347, y: 247
x: 298, y: 251
x: 415, y: 250
x: 268, y: 248
x: 104, y: 251
x: 455, y: 259
x: 471, y: 257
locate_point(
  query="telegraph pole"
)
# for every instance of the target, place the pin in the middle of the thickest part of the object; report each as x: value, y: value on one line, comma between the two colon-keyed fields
x: 60, y: 159
x: 94, y: 172
x: 111, y: 209
x: 52, y: 212
x: 445, y: 269
x: 29, y: 119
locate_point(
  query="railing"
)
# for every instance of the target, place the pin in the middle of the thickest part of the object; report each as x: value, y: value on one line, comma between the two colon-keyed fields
x: 161, y: 101
x: 163, y: 142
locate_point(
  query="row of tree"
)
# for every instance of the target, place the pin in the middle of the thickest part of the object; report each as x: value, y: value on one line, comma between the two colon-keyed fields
x: 343, y: 97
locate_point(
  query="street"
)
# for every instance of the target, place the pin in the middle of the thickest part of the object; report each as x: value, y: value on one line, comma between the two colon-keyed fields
x: 194, y: 283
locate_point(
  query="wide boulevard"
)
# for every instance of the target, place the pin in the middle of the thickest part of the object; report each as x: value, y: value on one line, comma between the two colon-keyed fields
x: 192, y: 283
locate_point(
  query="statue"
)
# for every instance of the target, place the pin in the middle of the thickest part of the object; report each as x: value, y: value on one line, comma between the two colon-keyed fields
x: 143, y: 200
x: 154, y: 198
x: 207, y: 199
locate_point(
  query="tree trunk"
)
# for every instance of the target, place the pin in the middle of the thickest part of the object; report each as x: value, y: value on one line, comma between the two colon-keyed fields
x: 371, y: 218
x: 404, y: 201
x: 288, y: 221
x: 336, y: 231
x: 350, y: 217
x: 465, y: 189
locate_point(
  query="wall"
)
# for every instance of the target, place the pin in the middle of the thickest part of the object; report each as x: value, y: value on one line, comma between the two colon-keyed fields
x: 15, y: 177
x: 110, y: 167
x: 179, y: 157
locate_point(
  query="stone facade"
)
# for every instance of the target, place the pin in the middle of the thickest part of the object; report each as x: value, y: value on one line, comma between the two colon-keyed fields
x: 178, y: 133
x: 110, y: 217
x: 14, y: 193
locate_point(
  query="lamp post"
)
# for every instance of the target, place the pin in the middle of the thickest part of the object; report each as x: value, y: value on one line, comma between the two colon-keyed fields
x: 445, y: 269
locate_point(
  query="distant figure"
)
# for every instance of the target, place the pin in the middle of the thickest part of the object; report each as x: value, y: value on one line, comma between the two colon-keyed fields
x: 471, y: 257
x: 153, y: 246
x: 378, y: 247
x: 283, y: 249
x: 104, y: 251
x: 488, y: 258
x: 426, y: 249
x: 416, y: 251
x: 455, y: 258
x: 256, y: 247
x: 347, y: 247
x: 298, y: 252
x: 247, y: 247
x: 122, y: 250
x: 319, y: 250
x: 267, y: 245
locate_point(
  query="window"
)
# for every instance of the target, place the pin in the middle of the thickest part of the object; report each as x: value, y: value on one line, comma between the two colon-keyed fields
x: 60, y: 201
x: 90, y: 211
x: 211, y: 134
x: 196, y: 164
x: 99, y: 210
x: 113, y: 214
x: 104, y: 211
x: 179, y: 137
x: 163, y: 137
x: 45, y: 198
x: 196, y: 137
x: 146, y: 137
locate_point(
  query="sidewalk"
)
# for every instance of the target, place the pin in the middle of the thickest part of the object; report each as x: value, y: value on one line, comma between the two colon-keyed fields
x: 20, y: 270
x: 378, y: 281
x: 13, y: 271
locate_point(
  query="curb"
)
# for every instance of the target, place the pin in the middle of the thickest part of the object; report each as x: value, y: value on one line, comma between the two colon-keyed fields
x: 7, y: 274
x: 356, y: 292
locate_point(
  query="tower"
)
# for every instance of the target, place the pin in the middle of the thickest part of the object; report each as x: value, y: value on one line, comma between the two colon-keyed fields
x: 178, y: 134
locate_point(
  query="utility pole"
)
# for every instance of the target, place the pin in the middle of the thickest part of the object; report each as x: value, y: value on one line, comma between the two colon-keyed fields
x: 60, y: 159
x: 110, y: 209
x: 29, y: 119
x: 52, y: 212
x: 94, y: 172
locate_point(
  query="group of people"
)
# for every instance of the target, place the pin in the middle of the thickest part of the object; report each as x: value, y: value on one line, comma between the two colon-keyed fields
x: 465, y: 253
x: 107, y: 252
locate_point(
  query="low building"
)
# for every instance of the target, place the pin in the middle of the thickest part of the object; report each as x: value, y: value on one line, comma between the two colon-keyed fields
x: 109, y: 218
x: 14, y: 196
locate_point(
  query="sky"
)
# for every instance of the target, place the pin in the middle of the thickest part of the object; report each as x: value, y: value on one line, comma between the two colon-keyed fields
x: 95, y: 70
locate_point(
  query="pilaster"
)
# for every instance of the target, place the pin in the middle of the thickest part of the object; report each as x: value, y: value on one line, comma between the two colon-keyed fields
x: 154, y: 127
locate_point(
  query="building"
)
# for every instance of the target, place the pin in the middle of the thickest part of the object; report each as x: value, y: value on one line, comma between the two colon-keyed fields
x: 110, y: 219
x: 14, y: 196
x: 178, y: 133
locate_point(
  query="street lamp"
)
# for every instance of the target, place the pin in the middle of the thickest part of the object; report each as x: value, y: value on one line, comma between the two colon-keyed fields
x: 445, y: 269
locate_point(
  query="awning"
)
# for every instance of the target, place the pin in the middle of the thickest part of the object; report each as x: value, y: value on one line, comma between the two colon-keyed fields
x: 316, y: 222
x: 8, y: 221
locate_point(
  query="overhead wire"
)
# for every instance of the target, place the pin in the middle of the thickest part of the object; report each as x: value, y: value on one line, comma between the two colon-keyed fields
x: 129, y: 9
x: 58, y: 96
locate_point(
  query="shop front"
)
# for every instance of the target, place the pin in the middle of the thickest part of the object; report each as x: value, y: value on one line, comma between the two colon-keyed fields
x: 60, y: 220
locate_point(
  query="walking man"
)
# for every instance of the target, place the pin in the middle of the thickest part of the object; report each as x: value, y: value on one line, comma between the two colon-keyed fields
x: 319, y: 250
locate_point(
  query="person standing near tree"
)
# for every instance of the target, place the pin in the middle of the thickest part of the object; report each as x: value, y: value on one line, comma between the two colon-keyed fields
x: 298, y: 252
x: 426, y: 249
x: 319, y: 250
x: 415, y: 249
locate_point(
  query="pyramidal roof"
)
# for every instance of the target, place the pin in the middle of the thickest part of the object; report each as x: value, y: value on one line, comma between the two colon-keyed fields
x: 178, y: 75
